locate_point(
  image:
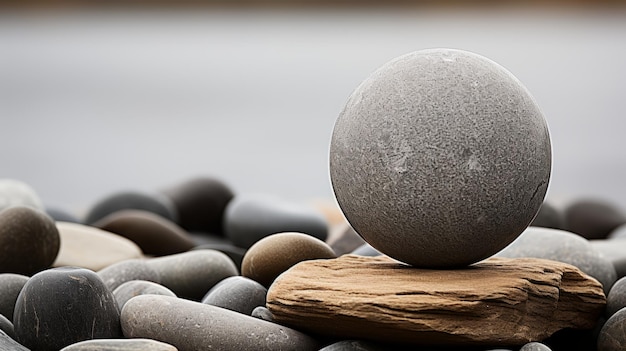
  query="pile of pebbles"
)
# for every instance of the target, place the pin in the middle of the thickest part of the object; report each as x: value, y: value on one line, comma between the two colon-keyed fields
x: 188, y: 268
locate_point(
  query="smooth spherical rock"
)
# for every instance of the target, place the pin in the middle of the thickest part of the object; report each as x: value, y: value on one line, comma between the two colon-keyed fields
x: 29, y: 240
x: 263, y: 313
x: 120, y: 345
x: 535, y: 346
x: 14, y: 192
x: 9, y: 344
x: 92, y: 248
x: 124, y: 271
x: 154, y: 234
x: 10, y: 286
x: 440, y: 158
x: 250, y: 218
x: 192, y: 274
x: 593, y: 218
x: 549, y: 216
x: 563, y: 246
x: 616, y: 298
x: 131, y: 200
x: 200, y: 203
x: 206, y: 327
x: 613, y: 334
x: 239, y: 294
x: 272, y: 255
x: 61, y: 306
x: 133, y: 288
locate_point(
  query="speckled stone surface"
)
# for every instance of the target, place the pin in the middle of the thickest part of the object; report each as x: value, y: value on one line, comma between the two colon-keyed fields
x: 440, y: 158
x: 616, y: 298
x: 612, y: 336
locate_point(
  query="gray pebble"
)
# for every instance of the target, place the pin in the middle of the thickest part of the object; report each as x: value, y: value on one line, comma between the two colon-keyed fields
x: 535, y: 346
x: 356, y: 345
x: 614, y: 250
x: 120, y: 345
x: 440, y: 158
x: 563, y: 246
x: 261, y: 312
x: 17, y: 193
x: 593, y: 218
x: 235, y: 253
x: 250, y: 218
x: 133, y: 288
x: 238, y: 294
x: 10, y: 286
x: 192, y: 274
x: 9, y: 344
x: 613, y: 334
x: 616, y: 298
x: 134, y: 269
x: 163, y: 318
x: 7, y: 326
x: 549, y: 216
x: 132, y: 200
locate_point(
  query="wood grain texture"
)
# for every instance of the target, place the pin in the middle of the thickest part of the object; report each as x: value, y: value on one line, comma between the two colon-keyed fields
x: 495, y: 302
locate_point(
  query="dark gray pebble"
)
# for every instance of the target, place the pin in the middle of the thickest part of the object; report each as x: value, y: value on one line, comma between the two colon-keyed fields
x: 131, y: 200
x: 10, y: 286
x: 61, y: 306
x: 20, y: 228
x: 235, y: 253
x: 355, y: 345
x: 593, y: 218
x: 549, y: 216
x: 133, y: 288
x: 120, y: 345
x: 7, y: 326
x: 613, y: 334
x: 134, y: 269
x: 616, y: 298
x: 9, y: 344
x: 238, y: 294
x: 192, y: 274
x: 249, y: 219
x: 261, y: 312
x: 228, y: 330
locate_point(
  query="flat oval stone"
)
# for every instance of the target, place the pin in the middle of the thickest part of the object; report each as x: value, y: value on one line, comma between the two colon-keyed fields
x: 616, y: 298
x: 120, y: 345
x: 61, y: 306
x: 92, y: 248
x: 163, y: 318
x: 250, y: 218
x: 272, y: 255
x: 10, y: 286
x: 192, y: 274
x: 29, y: 240
x: 133, y: 288
x: 612, y: 336
x: 593, y: 218
x: 154, y: 234
x: 124, y: 271
x: 131, y: 200
x: 14, y: 192
x: 440, y: 158
x: 200, y: 203
x: 562, y: 246
x: 9, y: 344
x: 237, y: 293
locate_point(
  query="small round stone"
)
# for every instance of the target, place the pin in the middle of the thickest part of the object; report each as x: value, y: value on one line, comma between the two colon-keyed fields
x: 10, y: 287
x: 440, y: 158
x: 613, y: 334
x: 125, y: 271
x: 261, y: 312
x: 616, y: 298
x: 61, y: 306
x: 133, y: 288
x: 131, y: 200
x: 14, y: 192
x: 237, y: 293
x: 593, y: 218
x: 29, y: 240
x: 274, y: 254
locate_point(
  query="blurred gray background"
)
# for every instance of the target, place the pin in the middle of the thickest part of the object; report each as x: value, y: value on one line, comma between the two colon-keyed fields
x: 97, y: 101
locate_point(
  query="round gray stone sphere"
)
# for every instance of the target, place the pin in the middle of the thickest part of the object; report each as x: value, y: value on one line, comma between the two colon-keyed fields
x: 440, y: 158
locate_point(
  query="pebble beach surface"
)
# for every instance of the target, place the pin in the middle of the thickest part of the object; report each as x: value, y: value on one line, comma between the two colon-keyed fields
x: 424, y: 261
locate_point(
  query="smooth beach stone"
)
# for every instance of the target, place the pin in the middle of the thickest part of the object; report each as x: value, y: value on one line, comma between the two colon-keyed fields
x: 133, y: 288
x: 549, y: 217
x: 616, y: 298
x: 192, y: 274
x: 120, y: 345
x: 61, y: 215
x: 358, y: 345
x: 346, y: 241
x: 562, y: 246
x: 235, y: 253
x: 250, y: 218
x: 92, y: 248
x: 7, y: 343
x: 7, y: 326
x: 535, y: 346
x: 237, y: 293
x: 10, y: 286
x: 274, y: 254
x: 366, y: 250
x: 206, y: 327
x: 131, y: 200
x: 263, y: 313
x: 200, y: 203
x: 17, y: 193
x: 613, y: 334
x: 613, y: 250
x: 618, y: 233
x: 154, y: 234
x: 440, y: 158
x: 61, y: 306
x: 124, y: 271
x: 593, y: 218
x: 29, y: 240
